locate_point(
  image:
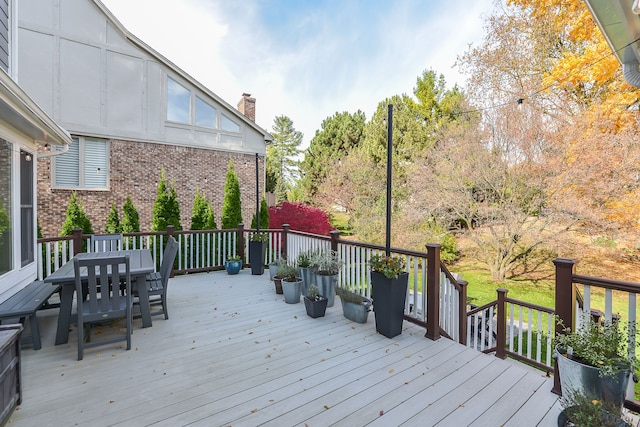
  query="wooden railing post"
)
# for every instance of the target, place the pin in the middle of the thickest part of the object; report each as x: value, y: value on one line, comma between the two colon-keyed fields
x: 335, y: 237
x: 77, y: 241
x: 283, y: 248
x: 501, y: 327
x: 241, y: 240
x: 433, y: 291
x: 565, y: 305
x: 462, y: 311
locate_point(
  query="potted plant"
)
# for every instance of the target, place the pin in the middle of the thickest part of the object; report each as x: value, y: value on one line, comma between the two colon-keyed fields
x: 594, y: 361
x: 304, y: 263
x: 314, y: 303
x: 354, y: 307
x: 326, y: 266
x: 273, y: 268
x: 581, y: 410
x: 257, y: 251
x: 291, y: 283
x: 389, y: 292
x: 233, y: 264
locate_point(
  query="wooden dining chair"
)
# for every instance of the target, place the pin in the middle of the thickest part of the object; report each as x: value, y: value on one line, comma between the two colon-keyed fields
x: 106, y: 242
x: 158, y: 282
x: 104, y: 301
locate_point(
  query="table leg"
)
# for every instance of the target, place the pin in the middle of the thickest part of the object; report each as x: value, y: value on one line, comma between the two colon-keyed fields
x: 143, y: 298
x: 64, y: 315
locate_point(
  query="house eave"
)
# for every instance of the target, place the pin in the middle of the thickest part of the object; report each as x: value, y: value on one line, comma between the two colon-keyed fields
x: 22, y: 113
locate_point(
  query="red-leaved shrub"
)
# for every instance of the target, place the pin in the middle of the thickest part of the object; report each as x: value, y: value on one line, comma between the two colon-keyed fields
x: 300, y: 217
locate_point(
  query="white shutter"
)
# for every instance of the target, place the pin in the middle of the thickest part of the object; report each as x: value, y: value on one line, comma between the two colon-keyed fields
x: 96, y: 159
x: 67, y: 167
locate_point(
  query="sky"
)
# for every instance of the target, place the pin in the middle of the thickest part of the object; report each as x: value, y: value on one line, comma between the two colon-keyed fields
x: 308, y: 59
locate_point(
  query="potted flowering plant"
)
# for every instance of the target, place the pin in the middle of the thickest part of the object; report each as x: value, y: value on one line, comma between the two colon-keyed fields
x: 389, y: 292
x: 594, y: 361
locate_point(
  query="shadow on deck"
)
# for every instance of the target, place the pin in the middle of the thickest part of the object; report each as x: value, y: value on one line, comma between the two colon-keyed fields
x: 234, y: 354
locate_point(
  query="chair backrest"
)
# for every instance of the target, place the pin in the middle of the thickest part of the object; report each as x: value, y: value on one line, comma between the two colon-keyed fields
x: 168, y: 256
x: 106, y: 242
x: 102, y: 280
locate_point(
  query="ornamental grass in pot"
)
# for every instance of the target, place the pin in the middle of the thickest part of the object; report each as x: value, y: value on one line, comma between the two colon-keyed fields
x: 291, y: 283
x: 326, y: 266
x: 304, y: 263
x: 355, y: 307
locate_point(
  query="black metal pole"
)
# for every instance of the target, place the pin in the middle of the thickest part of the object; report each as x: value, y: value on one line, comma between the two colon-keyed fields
x: 257, y: 195
x: 389, y: 169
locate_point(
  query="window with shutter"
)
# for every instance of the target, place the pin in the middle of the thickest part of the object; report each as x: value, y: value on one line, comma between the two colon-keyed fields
x: 84, y: 166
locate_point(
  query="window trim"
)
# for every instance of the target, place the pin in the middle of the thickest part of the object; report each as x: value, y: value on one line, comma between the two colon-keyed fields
x: 81, y: 140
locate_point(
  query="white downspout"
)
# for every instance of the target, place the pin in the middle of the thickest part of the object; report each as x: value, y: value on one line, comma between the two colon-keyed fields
x: 630, y: 67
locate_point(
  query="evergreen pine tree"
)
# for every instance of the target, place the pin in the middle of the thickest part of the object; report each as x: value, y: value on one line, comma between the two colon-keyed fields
x: 264, y: 216
x: 210, y: 223
x: 113, y: 222
x: 199, y: 212
x: 130, y: 219
x: 166, y: 210
x: 75, y: 218
x: 231, y: 206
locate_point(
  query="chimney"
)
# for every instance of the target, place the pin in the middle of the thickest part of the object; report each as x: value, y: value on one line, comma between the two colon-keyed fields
x: 247, y: 106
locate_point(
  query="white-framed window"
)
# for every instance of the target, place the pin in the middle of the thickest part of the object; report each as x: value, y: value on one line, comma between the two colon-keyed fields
x: 205, y: 114
x: 6, y: 220
x: 84, y: 166
x: 228, y: 124
x: 178, y: 102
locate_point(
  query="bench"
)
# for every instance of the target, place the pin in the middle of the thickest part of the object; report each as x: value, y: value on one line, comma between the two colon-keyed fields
x: 25, y: 303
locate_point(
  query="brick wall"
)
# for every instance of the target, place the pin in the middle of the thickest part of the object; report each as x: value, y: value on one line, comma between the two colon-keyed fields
x: 135, y: 170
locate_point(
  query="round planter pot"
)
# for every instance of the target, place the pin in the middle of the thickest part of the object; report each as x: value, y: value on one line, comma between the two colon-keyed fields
x: 278, y: 284
x: 389, y: 297
x: 358, y: 313
x: 273, y: 270
x: 576, y: 377
x: 233, y: 267
x: 292, y: 291
x: 327, y: 287
x: 306, y: 275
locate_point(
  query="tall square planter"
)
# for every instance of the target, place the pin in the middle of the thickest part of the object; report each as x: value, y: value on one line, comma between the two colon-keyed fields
x: 257, y: 255
x: 389, y: 297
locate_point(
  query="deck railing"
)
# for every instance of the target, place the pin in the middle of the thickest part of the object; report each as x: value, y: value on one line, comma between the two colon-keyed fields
x: 436, y: 299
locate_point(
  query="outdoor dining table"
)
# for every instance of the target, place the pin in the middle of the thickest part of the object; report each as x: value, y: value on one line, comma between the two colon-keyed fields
x: 140, y: 264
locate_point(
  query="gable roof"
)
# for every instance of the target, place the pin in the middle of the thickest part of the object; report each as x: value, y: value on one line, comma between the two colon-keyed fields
x: 165, y: 61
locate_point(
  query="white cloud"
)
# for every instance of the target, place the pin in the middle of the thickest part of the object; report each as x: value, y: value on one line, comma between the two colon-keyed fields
x: 307, y: 63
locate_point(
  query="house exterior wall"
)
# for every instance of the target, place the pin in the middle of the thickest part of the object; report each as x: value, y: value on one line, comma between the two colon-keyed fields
x: 133, y: 165
x: 4, y: 35
x: 97, y: 80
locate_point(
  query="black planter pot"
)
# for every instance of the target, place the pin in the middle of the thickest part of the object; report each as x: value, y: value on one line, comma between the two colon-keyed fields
x: 389, y: 297
x: 257, y: 253
x: 315, y: 308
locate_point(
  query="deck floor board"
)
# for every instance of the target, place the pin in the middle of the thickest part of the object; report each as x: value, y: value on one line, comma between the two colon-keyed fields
x: 234, y: 354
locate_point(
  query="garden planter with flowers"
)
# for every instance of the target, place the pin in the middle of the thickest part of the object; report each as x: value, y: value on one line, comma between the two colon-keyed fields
x: 594, y: 364
x: 389, y: 293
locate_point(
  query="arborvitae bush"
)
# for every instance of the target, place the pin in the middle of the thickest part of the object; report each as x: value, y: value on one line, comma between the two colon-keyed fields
x: 300, y: 217
x: 231, y: 206
x: 199, y: 212
x: 166, y: 210
x: 264, y: 216
x: 76, y: 218
x: 113, y: 222
x: 130, y: 219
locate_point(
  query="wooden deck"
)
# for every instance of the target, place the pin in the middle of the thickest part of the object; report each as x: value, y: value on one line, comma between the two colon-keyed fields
x: 234, y: 354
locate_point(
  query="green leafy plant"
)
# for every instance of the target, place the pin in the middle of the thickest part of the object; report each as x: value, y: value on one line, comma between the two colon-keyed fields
x: 314, y: 293
x: 130, y: 219
x: 76, y: 218
x: 390, y: 266
x: 166, y: 209
x: 326, y: 263
x: 113, y: 221
x: 231, y: 204
x: 305, y: 258
x: 234, y: 258
x: 288, y: 272
x: 603, y: 346
x: 259, y: 237
x: 582, y: 410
